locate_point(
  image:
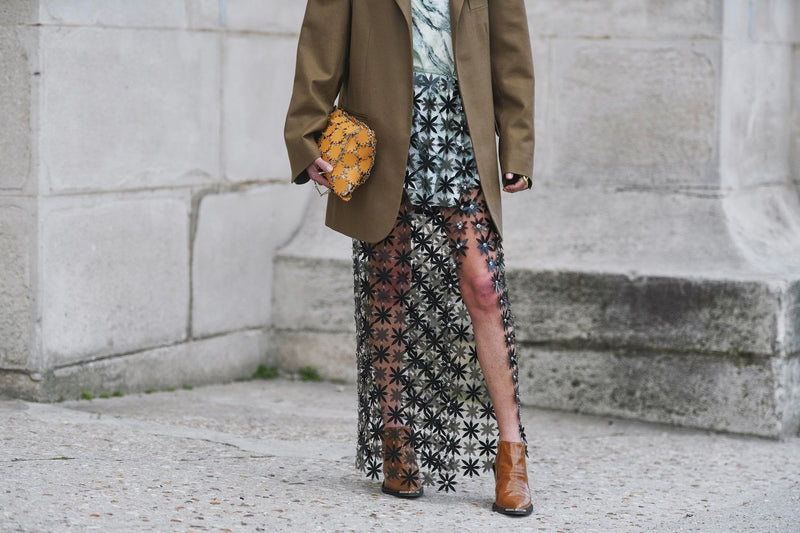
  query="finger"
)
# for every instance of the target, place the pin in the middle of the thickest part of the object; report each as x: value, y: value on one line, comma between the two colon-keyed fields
x: 314, y: 174
x: 323, y: 165
x: 517, y: 186
x: 510, y: 181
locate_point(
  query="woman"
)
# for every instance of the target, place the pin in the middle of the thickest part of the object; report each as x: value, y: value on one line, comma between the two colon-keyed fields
x: 437, y: 356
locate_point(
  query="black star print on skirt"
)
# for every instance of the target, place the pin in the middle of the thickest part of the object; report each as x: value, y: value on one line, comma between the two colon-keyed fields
x: 417, y: 361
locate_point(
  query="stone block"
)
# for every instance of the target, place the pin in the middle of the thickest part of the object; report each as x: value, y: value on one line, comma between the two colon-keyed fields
x: 754, y: 131
x: 15, y: 106
x: 792, y: 320
x: 128, y: 109
x: 17, y: 384
x: 596, y: 229
x: 542, y: 66
x: 688, y: 19
x: 332, y: 354
x: 765, y: 224
x: 646, y: 19
x: 758, y: 153
x: 655, y: 130
x: 702, y: 390
x: 315, y: 240
x: 17, y: 290
x: 738, y: 20
x: 577, y: 18
x: 214, y: 360
x: 787, y: 396
x: 114, y: 276
x: 139, y: 14
x: 236, y: 238
x: 322, y: 259
x: 648, y: 313
x: 313, y: 294
x: 794, y: 141
x: 796, y: 25
x: 766, y: 20
x: 18, y: 12
x: 255, y: 101
x: 204, y: 14
x: 253, y: 15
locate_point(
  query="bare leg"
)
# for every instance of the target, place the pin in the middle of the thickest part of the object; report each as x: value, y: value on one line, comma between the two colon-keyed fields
x: 389, y: 277
x: 475, y: 242
x: 493, y: 357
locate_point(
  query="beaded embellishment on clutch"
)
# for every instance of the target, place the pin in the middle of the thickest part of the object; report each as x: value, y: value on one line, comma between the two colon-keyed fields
x: 349, y: 146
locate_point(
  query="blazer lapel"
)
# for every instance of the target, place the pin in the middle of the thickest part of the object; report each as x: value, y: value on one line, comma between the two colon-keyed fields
x: 455, y: 15
x: 405, y: 7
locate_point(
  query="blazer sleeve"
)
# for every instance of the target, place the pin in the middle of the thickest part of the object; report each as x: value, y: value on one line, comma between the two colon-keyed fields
x: 512, y: 84
x: 322, y: 53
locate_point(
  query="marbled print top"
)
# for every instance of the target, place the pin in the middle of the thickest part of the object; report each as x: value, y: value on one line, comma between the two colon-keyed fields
x: 441, y: 160
x: 433, y: 44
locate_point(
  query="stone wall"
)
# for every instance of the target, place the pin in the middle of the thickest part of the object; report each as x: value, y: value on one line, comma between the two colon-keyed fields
x: 143, y: 190
x: 150, y: 239
x: 660, y: 278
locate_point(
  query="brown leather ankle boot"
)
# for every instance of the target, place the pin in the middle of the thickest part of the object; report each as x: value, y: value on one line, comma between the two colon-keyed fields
x: 400, y: 471
x: 512, y: 493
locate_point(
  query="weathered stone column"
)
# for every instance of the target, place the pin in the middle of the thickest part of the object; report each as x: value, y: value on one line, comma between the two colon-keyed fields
x: 655, y: 268
x: 142, y: 191
x: 19, y: 89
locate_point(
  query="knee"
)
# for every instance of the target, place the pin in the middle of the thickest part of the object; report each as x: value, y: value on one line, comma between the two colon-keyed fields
x: 479, y: 294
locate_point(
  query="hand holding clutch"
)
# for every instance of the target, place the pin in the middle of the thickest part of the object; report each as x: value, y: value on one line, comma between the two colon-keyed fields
x: 348, y: 145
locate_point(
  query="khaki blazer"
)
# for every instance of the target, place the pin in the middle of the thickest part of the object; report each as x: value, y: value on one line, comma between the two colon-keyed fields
x: 361, y: 52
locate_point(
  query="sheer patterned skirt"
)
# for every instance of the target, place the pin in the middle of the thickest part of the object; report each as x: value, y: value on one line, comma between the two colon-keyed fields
x: 417, y: 361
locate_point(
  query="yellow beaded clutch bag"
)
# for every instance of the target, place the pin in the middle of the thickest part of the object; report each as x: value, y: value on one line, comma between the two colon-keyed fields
x: 349, y: 146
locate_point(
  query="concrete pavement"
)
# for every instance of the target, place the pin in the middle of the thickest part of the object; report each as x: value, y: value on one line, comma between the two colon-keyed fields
x: 277, y: 455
